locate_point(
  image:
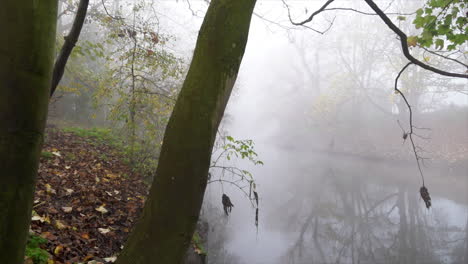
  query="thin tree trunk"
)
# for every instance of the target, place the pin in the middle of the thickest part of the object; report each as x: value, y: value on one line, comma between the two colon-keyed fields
x: 171, y: 212
x: 27, y: 37
x: 69, y: 44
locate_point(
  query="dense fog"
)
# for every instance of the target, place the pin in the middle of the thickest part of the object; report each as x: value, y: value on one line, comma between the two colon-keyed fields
x: 339, y: 183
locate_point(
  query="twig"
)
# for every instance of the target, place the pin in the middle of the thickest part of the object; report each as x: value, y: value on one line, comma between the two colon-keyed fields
x: 302, y: 23
x: 410, y: 134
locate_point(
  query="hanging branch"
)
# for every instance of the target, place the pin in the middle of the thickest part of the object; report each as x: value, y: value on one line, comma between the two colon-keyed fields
x: 411, y: 132
x: 423, y: 190
x: 68, y: 45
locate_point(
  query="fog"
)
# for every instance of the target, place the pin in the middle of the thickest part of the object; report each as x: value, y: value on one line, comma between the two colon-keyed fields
x: 339, y: 183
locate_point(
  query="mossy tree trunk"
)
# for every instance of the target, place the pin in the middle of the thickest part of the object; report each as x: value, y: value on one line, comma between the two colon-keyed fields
x: 27, y: 37
x: 165, y: 229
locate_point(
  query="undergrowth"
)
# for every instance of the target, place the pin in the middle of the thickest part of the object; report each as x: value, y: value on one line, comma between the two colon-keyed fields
x: 34, y: 251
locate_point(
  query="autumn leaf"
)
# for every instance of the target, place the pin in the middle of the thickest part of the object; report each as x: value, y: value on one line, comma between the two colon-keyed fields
x: 111, y: 259
x: 103, y: 230
x: 67, y: 209
x: 154, y: 37
x: 49, y: 189
x: 111, y: 176
x: 412, y: 41
x: 69, y: 191
x: 49, y: 236
x: 58, y: 249
x: 102, y: 209
x: 60, y: 225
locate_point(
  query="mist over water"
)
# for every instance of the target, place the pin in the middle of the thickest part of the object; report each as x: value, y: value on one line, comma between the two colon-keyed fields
x: 339, y: 184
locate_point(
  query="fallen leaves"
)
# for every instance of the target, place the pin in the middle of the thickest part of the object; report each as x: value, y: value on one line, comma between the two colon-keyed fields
x: 103, y: 230
x: 82, y: 204
x: 60, y: 225
x: 102, y: 209
x: 67, y: 209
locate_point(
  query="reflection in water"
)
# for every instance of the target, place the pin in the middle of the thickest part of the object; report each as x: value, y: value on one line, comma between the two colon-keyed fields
x: 342, y: 214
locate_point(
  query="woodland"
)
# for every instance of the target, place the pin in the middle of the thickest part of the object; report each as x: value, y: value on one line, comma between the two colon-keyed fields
x: 120, y: 139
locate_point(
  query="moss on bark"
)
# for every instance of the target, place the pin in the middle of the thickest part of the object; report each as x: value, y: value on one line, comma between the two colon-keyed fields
x: 164, y: 231
x: 26, y: 54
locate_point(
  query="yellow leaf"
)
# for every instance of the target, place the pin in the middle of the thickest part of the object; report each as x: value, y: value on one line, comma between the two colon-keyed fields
x: 58, y: 249
x: 60, y: 225
x: 46, y: 219
x: 412, y: 41
x: 49, y: 189
x: 111, y: 176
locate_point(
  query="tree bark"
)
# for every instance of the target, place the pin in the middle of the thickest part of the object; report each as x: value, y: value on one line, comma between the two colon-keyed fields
x: 27, y: 38
x: 165, y: 229
x: 68, y: 45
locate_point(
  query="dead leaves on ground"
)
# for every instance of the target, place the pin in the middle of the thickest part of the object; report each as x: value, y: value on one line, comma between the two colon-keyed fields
x: 85, y: 202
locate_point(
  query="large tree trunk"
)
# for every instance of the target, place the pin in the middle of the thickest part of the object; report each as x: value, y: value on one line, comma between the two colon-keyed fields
x: 27, y: 37
x: 165, y: 229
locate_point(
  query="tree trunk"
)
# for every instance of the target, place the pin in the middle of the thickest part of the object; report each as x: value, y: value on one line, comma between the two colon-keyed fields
x: 165, y: 229
x: 27, y: 38
x: 68, y: 45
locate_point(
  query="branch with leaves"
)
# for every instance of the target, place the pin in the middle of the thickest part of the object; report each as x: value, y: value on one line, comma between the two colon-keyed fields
x: 243, y: 180
x: 404, y: 44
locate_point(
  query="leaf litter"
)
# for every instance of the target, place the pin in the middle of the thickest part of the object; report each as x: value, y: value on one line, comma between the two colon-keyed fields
x: 86, y: 199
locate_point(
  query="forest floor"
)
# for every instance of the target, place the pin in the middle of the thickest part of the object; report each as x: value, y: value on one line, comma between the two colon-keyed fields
x: 86, y: 199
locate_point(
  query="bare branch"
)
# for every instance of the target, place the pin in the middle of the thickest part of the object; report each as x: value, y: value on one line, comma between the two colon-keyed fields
x: 410, y: 133
x: 445, y: 57
x: 302, y: 23
x: 365, y: 13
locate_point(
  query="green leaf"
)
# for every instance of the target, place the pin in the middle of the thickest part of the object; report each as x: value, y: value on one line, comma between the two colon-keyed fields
x: 439, y: 43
